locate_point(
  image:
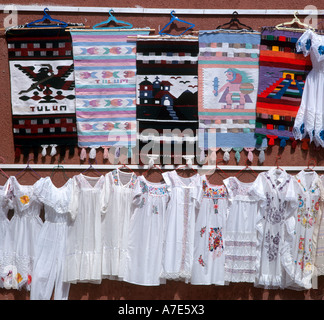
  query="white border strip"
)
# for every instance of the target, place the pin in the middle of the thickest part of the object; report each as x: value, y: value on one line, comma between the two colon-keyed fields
x: 143, y: 167
x: 158, y: 11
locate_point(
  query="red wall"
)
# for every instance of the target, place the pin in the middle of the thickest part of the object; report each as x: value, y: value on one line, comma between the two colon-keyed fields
x: 173, y: 289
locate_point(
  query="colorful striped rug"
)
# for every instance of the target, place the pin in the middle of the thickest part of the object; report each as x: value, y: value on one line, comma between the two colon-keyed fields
x: 283, y: 74
x: 105, y: 83
x: 167, y: 88
x: 42, y: 90
x: 228, y: 81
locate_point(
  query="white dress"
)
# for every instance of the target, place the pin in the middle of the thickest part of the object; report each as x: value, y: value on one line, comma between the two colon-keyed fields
x: 300, y: 264
x: 180, y: 225
x: 276, y: 227
x: 319, y: 258
x: 50, y: 246
x: 144, y: 253
x: 241, y: 236
x: 83, y: 257
x: 119, y: 188
x: 4, y: 227
x: 310, y: 117
x: 209, y: 255
x: 23, y: 232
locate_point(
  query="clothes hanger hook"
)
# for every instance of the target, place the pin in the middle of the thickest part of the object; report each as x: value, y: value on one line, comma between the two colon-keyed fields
x: 110, y: 12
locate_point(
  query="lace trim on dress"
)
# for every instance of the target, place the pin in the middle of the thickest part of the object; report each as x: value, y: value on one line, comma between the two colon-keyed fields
x: 56, y: 198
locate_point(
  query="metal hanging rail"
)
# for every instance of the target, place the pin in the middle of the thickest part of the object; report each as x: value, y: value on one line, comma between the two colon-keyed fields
x: 141, y: 10
x: 145, y: 167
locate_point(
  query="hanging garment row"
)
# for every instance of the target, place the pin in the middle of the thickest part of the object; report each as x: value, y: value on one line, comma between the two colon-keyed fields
x: 123, y: 227
x: 101, y: 88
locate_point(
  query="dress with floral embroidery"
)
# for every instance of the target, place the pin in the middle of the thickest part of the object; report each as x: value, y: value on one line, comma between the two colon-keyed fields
x: 118, y: 196
x: 319, y: 257
x: 5, y: 205
x: 310, y: 117
x: 145, y: 242
x: 300, y: 263
x: 275, y: 227
x: 180, y: 225
x: 23, y: 232
x: 209, y: 257
x: 241, y: 235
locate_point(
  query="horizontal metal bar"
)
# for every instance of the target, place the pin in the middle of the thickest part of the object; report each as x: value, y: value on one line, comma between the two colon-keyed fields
x: 141, y: 10
x: 145, y: 167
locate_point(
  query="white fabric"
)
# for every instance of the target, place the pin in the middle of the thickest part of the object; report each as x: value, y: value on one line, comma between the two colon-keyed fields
x: 241, y: 235
x: 180, y: 225
x: 275, y: 227
x: 301, y: 260
x: 118, y: 196
x: 50, y: 246
x: 319, y: 257
x: 144, y: 252
x: 310, y: 117
x: 24, y: 229
x: 84, y: 243
x: 209, y: 256
x: 4, y: 227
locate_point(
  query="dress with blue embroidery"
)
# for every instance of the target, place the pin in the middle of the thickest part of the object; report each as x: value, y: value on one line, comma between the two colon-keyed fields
x: 309, y: 121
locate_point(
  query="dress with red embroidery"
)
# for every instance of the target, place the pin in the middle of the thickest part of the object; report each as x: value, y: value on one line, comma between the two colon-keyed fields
x: 209, y: 256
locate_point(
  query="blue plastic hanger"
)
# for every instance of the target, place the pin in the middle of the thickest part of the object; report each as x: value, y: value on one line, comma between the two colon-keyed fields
x: 46, y: 17
x: 174, y: 18
x: 126, y: 25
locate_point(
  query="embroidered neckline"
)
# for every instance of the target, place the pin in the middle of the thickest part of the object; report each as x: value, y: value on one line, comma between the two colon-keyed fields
x: 282, y: 184
x: 311, y: 188
x: 213, y: 192
x: 154, y: 189
x: 116, y: 179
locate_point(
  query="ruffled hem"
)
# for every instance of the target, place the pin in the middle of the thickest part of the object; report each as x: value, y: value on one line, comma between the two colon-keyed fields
x: 182, y: 276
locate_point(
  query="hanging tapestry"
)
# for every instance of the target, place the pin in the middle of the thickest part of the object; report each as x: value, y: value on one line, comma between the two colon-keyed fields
x: 283, y: 74
x: 228, y: 71
x: 167, y: 89
x: 42, y: 90
x: 105, y: 82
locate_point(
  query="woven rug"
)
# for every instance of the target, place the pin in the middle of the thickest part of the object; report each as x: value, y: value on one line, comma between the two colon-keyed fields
x: 105, y: 82
x: 42, y: 90
x: 228, y: 81
x: 283, y: 74
x: 167, y: 89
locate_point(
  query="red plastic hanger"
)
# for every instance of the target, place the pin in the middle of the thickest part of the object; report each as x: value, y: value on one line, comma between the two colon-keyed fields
x: 247, y: 167
x: 2, y: 158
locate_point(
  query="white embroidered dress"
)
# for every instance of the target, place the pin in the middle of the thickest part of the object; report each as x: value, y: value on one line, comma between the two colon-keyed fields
x: 180, y: 225
x: 319, y: 257
x: 300, y: 263
x: 209, y: 256
x: 275, y: 228
x: 5, y: 205
x: 83, y: 257
x: 50, y: 246
x: 23, y: 232
x: 241, y: 236
x: 145, y: 245
x: 310, y: 117
x: 118, y: 196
